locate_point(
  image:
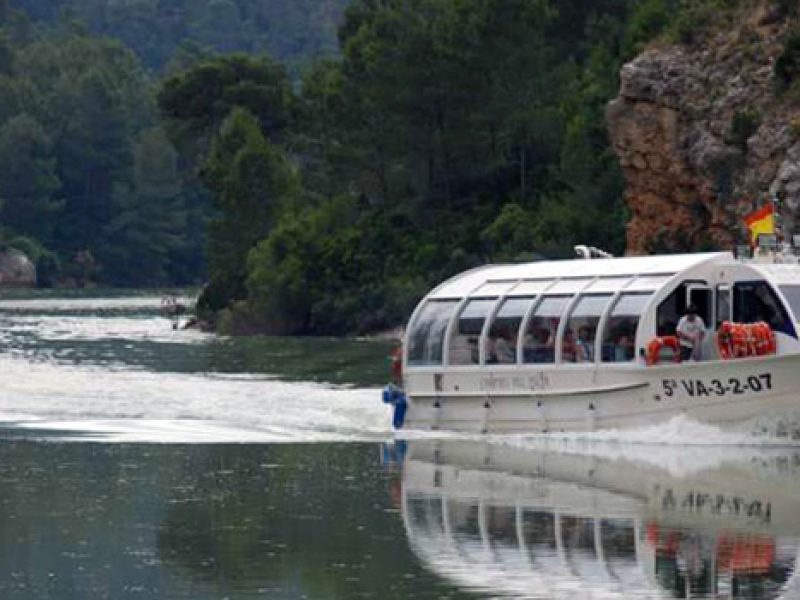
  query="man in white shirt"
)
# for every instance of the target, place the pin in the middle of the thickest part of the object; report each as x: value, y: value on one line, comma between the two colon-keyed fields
x: 690, y: 332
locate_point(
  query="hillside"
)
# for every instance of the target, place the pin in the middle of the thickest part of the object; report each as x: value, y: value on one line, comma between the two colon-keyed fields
x: 293, y: 31
x: 442, y: 134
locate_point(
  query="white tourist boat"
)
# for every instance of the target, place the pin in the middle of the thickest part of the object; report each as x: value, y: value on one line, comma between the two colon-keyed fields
x: 563, y: 345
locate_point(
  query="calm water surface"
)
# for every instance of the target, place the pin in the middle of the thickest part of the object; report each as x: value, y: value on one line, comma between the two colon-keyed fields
x: 138, y: 461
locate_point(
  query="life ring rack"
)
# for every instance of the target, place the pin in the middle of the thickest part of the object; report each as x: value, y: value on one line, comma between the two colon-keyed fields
x: 740, y: 340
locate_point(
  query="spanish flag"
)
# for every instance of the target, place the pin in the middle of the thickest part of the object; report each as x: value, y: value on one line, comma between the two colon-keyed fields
x: 761, y: 221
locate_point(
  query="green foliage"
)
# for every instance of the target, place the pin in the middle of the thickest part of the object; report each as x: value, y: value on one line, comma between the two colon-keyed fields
x: 251, y: 180
x: 194, y: 103
x: 84, y: 170
x: 694, y: 16
x: 648, y: 20
x: 446, y: 134
x: 450, y: 133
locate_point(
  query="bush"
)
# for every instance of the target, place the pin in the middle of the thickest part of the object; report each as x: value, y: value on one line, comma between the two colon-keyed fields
x: 743, y: 125
x: 695, y: 16
x: 648, y: 20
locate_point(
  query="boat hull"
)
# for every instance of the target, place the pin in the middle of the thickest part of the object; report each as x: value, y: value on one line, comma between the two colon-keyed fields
x: 734, y: 394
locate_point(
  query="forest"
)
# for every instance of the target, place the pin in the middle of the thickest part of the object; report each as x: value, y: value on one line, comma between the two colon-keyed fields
x: 319, y: 179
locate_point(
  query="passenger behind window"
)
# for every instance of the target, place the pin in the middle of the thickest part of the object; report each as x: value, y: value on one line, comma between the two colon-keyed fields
x: 464, y: 350
x: 568, y: 347
x: 624, y: 350
x: 504, y: 350
x: 539, y: 346
x: 584, y: 351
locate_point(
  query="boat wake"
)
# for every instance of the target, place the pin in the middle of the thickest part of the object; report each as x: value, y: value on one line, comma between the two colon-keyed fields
x: 99, y: 403
x: 679, y: 446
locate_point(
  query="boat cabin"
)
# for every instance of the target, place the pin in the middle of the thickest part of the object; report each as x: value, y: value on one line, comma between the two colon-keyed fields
x: 598, y: 311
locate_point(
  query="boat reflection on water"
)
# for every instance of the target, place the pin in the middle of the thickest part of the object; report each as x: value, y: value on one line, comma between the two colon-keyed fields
x: 526, y: 523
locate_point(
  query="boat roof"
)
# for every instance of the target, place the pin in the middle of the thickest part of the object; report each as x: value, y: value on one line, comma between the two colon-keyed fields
x: 780, y: 273
x: 489, y: 279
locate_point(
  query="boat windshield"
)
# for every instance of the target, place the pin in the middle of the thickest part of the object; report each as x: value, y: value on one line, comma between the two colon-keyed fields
x: 619, y: 335
x: 426, y: 337
x: 792, y: 295
x: 756, y: 301
x: 467, y: 332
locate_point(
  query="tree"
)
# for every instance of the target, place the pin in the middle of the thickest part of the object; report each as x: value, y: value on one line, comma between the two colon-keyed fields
x: 28, y: 179
x: 195, y: 103
x: 148, y: 217
x: 251, y: 180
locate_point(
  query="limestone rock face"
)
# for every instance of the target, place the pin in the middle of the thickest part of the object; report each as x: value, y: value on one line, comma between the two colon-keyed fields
x: 702, y: 135
x: 16, y: 270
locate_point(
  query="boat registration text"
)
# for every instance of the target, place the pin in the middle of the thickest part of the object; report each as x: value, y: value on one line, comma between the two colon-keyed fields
x: 696, y: 388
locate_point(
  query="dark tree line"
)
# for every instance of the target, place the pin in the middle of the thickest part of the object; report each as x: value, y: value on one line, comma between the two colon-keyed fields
x: 327, y: 199
x: 448, y: 133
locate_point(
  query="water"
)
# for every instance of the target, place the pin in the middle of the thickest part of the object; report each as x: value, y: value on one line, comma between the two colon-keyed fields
x: 141, y: 461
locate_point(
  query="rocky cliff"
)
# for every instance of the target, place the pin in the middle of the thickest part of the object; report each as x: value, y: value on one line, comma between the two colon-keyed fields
x: 704, y: 131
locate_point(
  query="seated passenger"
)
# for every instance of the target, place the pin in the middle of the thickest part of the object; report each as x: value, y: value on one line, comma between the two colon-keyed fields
x: 623, y: 349
x: 539, y: 346
x: 568, y: 348
x: 505, y: 347
x: 463, y: 350
x: 585, y: 345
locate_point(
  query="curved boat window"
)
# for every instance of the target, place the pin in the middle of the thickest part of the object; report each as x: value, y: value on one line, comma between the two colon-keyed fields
x: 426, y: 339
x: 619, y: 335
x: 757, y: 301
x: 540, y: 335
x: 501, y: 344
x: 579, y: 335
x: 464, y: 341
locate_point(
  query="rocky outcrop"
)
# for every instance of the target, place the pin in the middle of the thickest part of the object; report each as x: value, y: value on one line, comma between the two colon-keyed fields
x: 16, y: 269
x: 702, y: 135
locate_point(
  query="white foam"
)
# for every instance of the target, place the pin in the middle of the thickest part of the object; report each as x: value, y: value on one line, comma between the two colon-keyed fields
x: 127, y: 402
x: 66, y: 328
x: 146, y: 302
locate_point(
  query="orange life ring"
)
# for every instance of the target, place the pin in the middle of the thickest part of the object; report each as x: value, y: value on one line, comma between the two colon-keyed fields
x: 655, y: 346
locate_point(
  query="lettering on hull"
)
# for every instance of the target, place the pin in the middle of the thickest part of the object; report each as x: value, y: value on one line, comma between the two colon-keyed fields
x: 530, y: 383
x: 705, y: 388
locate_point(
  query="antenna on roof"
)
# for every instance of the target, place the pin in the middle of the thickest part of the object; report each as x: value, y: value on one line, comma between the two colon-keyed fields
x: 588, y: 252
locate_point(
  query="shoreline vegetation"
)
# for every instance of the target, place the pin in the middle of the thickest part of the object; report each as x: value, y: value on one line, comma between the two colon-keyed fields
x: 322, y: 190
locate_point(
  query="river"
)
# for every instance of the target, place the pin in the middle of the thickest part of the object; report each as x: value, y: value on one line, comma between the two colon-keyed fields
x: 142, y: 461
